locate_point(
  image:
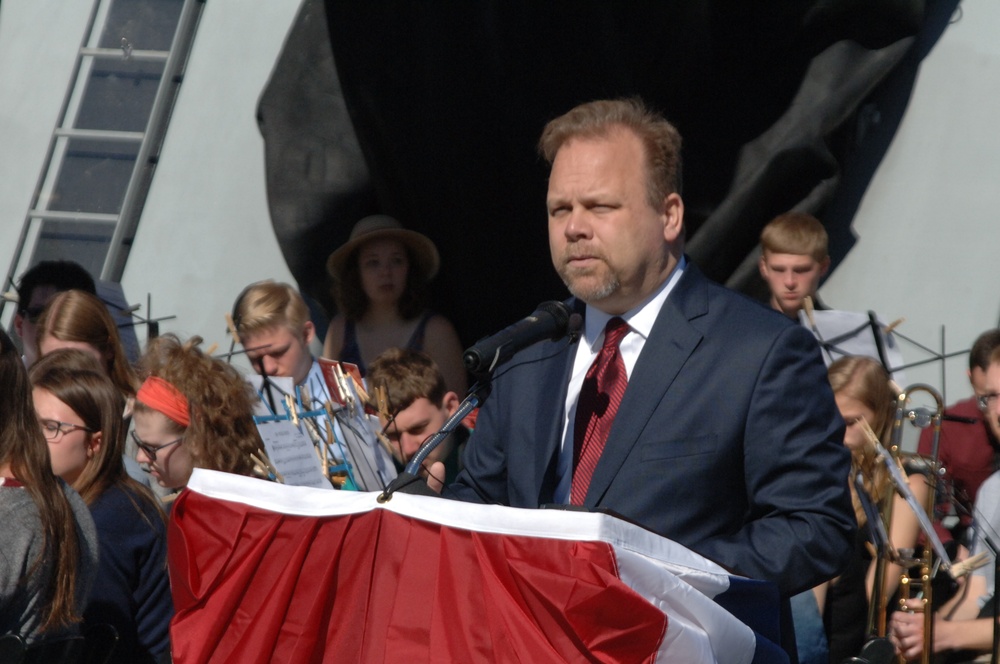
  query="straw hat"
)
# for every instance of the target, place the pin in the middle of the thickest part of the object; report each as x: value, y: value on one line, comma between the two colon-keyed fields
x: 380, y: 226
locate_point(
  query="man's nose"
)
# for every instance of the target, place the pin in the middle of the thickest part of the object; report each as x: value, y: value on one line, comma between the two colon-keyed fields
x: 577, y: 226
x: 270, y: 365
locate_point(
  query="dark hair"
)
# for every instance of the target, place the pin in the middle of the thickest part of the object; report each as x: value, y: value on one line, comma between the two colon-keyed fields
x: 599, y: 119
x: 407, y: 375
x: 352, y: 301
x: 61, y: 275
x: 23, y: 447
x: 983, y: 348
x: 75, y: 378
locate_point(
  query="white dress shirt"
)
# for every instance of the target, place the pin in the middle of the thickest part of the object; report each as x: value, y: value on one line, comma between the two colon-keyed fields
x: 640, y: 321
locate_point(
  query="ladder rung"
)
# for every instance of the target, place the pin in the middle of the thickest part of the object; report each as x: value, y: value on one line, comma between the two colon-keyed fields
x: 59, y: 215
x: 101, y: 134
x: 137, y: 55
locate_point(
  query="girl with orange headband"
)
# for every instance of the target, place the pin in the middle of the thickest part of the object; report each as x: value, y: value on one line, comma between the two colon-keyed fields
x: 193, y: 411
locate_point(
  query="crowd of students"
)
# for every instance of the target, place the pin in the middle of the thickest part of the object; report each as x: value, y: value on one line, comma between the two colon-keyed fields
x: 113, y: 434
x: 93, y: 449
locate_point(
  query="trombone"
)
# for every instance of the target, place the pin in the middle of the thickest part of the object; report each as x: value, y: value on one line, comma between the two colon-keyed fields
x: 933, y: 555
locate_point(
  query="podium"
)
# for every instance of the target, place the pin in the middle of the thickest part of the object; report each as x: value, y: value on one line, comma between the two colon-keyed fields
x: 262, y: 572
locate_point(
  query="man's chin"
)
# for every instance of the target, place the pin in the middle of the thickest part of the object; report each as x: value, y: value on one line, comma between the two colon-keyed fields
x: 791, y: 307
x: 591, y: 288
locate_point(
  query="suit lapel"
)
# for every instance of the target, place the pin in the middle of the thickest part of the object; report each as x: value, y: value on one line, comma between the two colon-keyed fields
x: 670, y: 343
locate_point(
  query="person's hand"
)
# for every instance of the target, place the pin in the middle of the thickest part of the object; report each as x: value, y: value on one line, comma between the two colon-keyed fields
x: 435, y: 476
x: 906, y: 631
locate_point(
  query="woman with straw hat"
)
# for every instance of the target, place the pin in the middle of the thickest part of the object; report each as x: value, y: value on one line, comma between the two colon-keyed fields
x: 380, y: 276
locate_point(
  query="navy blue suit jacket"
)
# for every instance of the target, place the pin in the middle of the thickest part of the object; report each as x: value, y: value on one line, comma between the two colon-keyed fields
x: 727, y: 439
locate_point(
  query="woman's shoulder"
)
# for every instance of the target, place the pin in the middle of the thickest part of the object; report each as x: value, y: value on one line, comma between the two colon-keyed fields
x: 436, y: 323
x: 86, y: 530
x: 122, y: 507
x: 334, y: 339
x: 17, y: 510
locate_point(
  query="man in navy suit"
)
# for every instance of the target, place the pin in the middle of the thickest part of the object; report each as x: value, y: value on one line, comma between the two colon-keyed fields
x: 727, y: 439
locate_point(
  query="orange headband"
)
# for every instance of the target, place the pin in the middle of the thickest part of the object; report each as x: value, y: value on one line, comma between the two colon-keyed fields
x: 163, y: 397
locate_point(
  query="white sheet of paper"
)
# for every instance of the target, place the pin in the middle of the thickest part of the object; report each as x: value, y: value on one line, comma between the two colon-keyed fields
x: 289, y: 447
x: 293, y: 454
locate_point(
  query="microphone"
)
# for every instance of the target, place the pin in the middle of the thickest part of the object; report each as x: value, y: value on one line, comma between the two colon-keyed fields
x: 551, y: 320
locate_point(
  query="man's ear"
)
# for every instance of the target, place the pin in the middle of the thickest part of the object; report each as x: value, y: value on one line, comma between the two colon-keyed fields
x: 673, y: 222
x: 450, y: 403
x: 762, y: 265
x: 824, y: 267
x: 309, y: 332
x: 18, y: 325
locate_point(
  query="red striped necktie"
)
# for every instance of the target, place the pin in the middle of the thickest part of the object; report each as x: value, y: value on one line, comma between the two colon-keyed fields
x: 596, y: 407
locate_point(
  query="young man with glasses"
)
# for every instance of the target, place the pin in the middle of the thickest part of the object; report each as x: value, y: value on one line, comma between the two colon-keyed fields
x: 969, y: 445
x: 966, y: 622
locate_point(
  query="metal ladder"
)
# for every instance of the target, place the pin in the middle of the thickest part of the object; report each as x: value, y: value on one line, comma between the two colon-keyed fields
x: 103, y: 151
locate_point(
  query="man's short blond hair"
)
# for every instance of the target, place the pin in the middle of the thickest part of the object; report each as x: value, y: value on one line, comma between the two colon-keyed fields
x: 796, y: 233
x: 268, y: 304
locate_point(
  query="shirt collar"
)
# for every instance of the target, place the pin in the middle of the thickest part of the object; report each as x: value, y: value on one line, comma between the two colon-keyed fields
x: 640, y: 318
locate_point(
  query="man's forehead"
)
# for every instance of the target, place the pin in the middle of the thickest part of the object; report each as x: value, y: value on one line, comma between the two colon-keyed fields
x: 274, y: 338
x: 993, y: 377
x: 421, y: 410
x: 791, y: 260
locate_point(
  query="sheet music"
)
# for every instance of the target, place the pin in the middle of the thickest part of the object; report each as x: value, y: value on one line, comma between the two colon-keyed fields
x: 293, y: 454
x: 850, y: 333
x: 288, y: 446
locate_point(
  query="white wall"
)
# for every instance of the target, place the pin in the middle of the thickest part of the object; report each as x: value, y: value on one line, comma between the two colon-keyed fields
x: 928, y: 235
x: 39, y: 40
x: 205, y: 231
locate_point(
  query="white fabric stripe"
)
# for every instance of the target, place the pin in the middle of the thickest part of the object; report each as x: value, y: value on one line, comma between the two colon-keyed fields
x: 697, y: 625
x: 708, y: 577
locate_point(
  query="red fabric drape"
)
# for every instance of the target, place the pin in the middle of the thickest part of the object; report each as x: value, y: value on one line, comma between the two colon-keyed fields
x: 251, y: 585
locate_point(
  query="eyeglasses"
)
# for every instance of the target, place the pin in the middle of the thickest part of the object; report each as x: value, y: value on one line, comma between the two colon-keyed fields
x: 52, y: 429
x: 32, y: 314
x: 986, y: 400
x: 151, y: 450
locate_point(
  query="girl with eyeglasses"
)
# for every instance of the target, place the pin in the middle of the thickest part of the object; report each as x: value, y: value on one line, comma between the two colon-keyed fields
x: 79, y: 410
x: 48, y: 551
x: 77, y: 320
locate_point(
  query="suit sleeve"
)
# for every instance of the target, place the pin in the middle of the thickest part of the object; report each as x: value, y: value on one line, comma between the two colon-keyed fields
x: 800, y: 526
